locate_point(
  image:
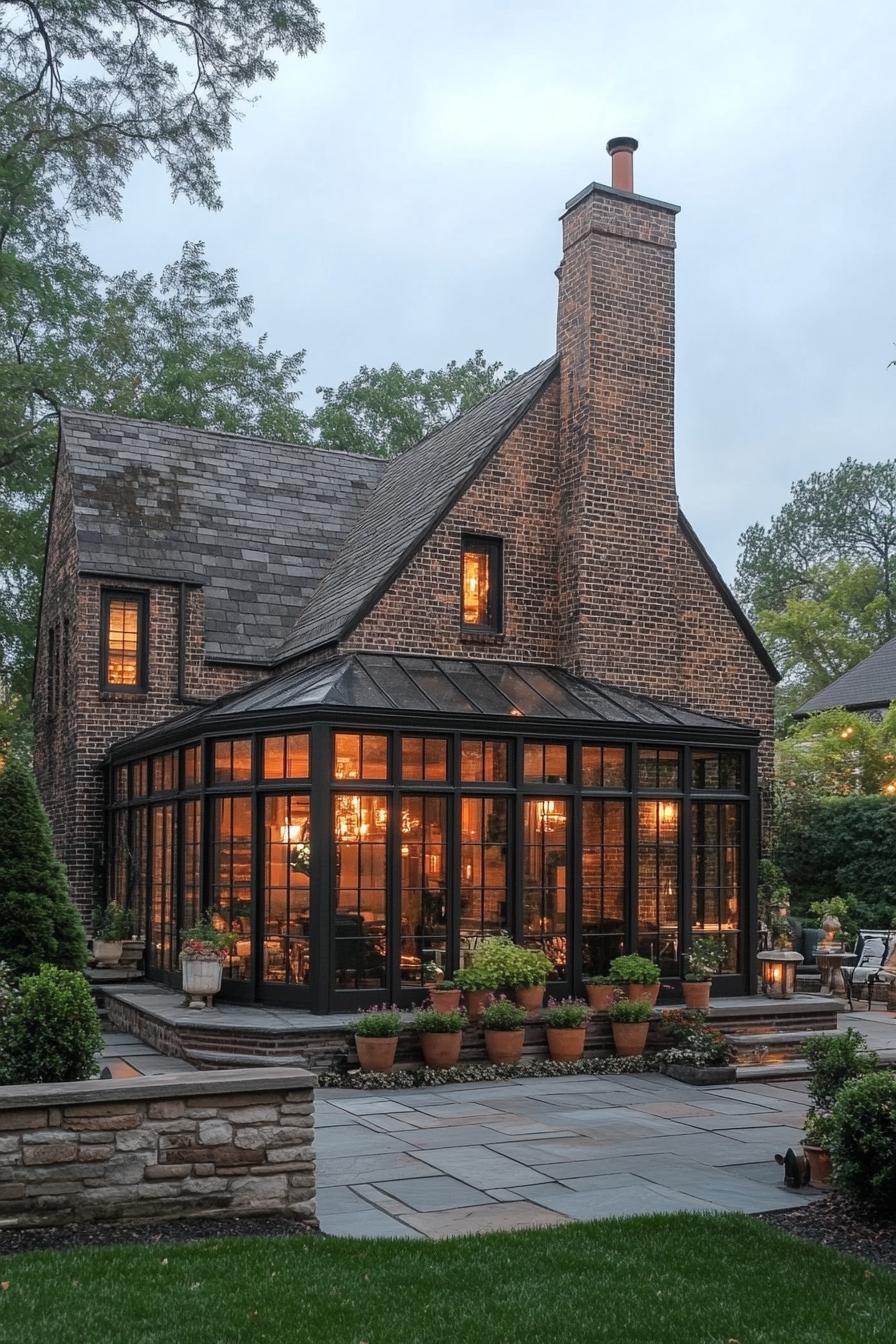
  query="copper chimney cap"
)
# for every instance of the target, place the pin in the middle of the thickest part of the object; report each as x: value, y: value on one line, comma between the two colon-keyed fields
x: 621, y: 150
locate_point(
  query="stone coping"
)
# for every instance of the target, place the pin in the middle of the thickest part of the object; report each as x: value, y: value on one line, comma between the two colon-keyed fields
x: 155, y: 1087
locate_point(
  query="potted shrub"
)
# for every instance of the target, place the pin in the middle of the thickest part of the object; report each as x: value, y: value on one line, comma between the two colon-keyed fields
x: 445, y: 997
x: 601, y: 992
x: 111, y: 925
x: 638, y: 977
x: 705, y: 959
x: 440, y: 1037
x: 376, y: 1038
x: 566, y: 1029
x: 204, y: 949
x: 525, y: 970
x: 505, y: 1032
x: 478, y: 985
x: 834, y: 1061
x: 630, y: 1020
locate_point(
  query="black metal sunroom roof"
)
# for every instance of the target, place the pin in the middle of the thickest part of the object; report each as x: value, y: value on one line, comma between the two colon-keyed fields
x: 406, y: 684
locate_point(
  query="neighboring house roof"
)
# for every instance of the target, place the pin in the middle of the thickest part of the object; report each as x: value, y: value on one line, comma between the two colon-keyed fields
x: 869, y: 685
x: 420, y: 686
x: 256, y: 523
x: 412, y: 495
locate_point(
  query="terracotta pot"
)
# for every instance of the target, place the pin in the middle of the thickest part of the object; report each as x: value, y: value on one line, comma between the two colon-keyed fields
x: 445, y: 1000
x: 504, y: 1047
x: 566, y: 1043
x: 820, y: 1170
x: 642, y: 993
x: 376, y: 1054
x: 600, y: 997
x: 107, y: 950
x: 530, y: 997
x: 441, y: 1049
x: 476, y: 1001
x: 630, y: 1038
x: 696, y: 993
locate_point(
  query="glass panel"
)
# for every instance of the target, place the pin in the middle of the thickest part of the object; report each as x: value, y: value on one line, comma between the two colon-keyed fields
x: 484, y: 760
x: 286, y: 757
x: 161, y: 928
x: 603, y: 883
x: 287, y: 889
x: 658, y: 883
x: 659, y: 768
x: 424, y: 758
x: 723, y: 770
x: 545, y: 878
x: 192, y: 766
x: 424, y: 910
x: 545, y: 762
x: 360, y: 756
x: 139, y: 779
x: 232, y: 761
x: 483, y: 871
x: 476, y: 583
x: 138, y: 879
x: 192, y: 838
x: 123, y: 641
x: 603, y: 767
x: 232, y: 879
x: 716, y: 868
x: 120, y: 784
x: 118, y: 887
x: 164, y: 773
x: 360, y: 830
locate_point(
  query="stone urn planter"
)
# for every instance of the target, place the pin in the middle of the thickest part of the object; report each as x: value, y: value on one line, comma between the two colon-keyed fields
x: 530, y: 997
x: 504, y: 1047
x: 441, y: 1049
x: 107, y: 951
x: 696, y: 994
x: 820, y: 1166
x: 600, y: 997
x: 832, y: 930
x: 376, y: 1054
x: 566, y: 1044
x: 201, y: 978
x: 444, y: 1000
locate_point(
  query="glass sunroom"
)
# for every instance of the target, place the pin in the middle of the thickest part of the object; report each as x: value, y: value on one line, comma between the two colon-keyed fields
x: 358, y: 822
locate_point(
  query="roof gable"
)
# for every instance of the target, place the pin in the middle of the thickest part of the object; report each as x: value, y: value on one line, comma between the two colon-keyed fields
x: 412, y: 495
x: 868, y: 685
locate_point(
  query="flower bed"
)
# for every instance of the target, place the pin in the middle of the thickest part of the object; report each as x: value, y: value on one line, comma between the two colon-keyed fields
x: 488, y: 1073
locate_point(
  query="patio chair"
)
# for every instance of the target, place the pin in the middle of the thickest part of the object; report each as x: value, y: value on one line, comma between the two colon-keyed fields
x: 874, y: 963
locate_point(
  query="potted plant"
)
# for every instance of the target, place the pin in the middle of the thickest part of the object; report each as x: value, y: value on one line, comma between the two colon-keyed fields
x: 638, y: 977
x: 819, y: 1127
x: 601, y: 992
x: 525, y: 970
x: 833, y: 1062
x: 705, y: 959
x: 531, y: 978
x: 505, y: 1032
x: 832, y: 911
x: 445, y: 997
x: 440, y: 1037
x: 376, y: 1038
x: 478, y: 985
x: 204, y: 949
x: 111, y: 925
x: 699, y: 1054
x: 565, y: 1029
x: 630, y: 1021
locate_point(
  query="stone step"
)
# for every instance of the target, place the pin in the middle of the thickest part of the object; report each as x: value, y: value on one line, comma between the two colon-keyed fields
x: 796, y: 1068
x: 771, y: 1047
x: 227, y: 1059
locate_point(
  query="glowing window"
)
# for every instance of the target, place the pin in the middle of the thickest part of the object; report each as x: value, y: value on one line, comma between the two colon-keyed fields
x: 481, y: 583
x: 124, y: 641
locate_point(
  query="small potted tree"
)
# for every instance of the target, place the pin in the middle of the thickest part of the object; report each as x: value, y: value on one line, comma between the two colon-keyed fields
x: 204, y: 949
x: 505, y: 1032
x: 637, y: 977
x: 478, y: 984
x: 440, y: 1035
x: 376, y: 1038
x: 705, y: 959
x: 601, y: 992
x: 565, y: 1029
x: 111, y: 925
x: 630, y: 1021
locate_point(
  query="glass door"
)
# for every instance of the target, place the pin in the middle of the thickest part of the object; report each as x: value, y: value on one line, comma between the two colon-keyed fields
x: 545, y: 914
x: 423, y: 890
x: 286, y: 899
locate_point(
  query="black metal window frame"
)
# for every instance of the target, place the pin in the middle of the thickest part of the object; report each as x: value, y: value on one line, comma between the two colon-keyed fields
x: 492, y: 547
x: 140, y: 596
x: 319, y: 994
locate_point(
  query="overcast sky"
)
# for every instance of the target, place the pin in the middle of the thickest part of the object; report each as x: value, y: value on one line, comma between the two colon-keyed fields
x: 396, y: 196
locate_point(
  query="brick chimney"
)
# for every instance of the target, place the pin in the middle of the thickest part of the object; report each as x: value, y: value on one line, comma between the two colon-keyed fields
x: 619, y: 512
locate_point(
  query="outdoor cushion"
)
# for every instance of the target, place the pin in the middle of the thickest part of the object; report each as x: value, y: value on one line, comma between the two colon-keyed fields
x: 873, y: 948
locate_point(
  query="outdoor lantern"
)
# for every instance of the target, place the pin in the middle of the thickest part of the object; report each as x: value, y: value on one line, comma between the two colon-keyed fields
x: 779, y: 972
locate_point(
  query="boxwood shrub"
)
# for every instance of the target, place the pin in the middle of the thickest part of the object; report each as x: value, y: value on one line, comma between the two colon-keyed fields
x: 863, y: 1142
x: 50, y: 1030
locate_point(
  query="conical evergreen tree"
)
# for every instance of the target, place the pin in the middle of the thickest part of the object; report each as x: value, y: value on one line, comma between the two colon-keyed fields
x: 38, y: 922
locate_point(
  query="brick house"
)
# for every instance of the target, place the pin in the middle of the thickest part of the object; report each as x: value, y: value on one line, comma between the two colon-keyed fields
x: 367, y: 711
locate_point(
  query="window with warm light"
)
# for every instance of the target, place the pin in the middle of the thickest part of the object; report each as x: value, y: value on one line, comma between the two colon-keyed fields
x: 659, y: 883
x: 603, y: 767
x: 545, y: 762
x: 232, y: 761
x: 123, y: 651
x: 545, y: 881
x: 360, y: 756
x: 424, y: 758
x: 286, y: 757
x: 481, y: 584
x: 484, y: 760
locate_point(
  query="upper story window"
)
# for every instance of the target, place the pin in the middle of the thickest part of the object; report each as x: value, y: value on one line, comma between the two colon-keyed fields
x: 481, y: 598
x: 123, y: 641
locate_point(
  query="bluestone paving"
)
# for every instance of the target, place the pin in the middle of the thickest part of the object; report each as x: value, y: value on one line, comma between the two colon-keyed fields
x: 439, y: 1192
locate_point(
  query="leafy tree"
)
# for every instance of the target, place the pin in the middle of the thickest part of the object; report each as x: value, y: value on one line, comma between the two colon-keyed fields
x: 382, y: 411
x: 38, y: 922
x: 820, y: 581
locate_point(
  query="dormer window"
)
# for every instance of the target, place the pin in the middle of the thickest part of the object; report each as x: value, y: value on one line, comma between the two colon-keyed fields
x: 481, y: 584
x: 123, y: 642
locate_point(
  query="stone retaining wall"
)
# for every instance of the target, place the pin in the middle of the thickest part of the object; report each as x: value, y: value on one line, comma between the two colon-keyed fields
x: 236, y: 1142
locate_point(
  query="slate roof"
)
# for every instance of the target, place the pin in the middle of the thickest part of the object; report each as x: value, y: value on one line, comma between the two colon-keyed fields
x: 420, y: 686
x: 411, y: 497
x: 868, y: 685
x: 256, y: 522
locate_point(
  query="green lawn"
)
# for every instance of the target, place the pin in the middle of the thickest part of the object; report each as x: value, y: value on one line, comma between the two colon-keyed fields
x: 672, y: 1279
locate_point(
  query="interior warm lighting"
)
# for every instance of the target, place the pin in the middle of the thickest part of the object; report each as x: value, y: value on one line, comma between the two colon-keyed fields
x: 668, y: 813
x: 847, y: 732
x: 890, y: 788
x: 476, y: 587
x: 123, y: 641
